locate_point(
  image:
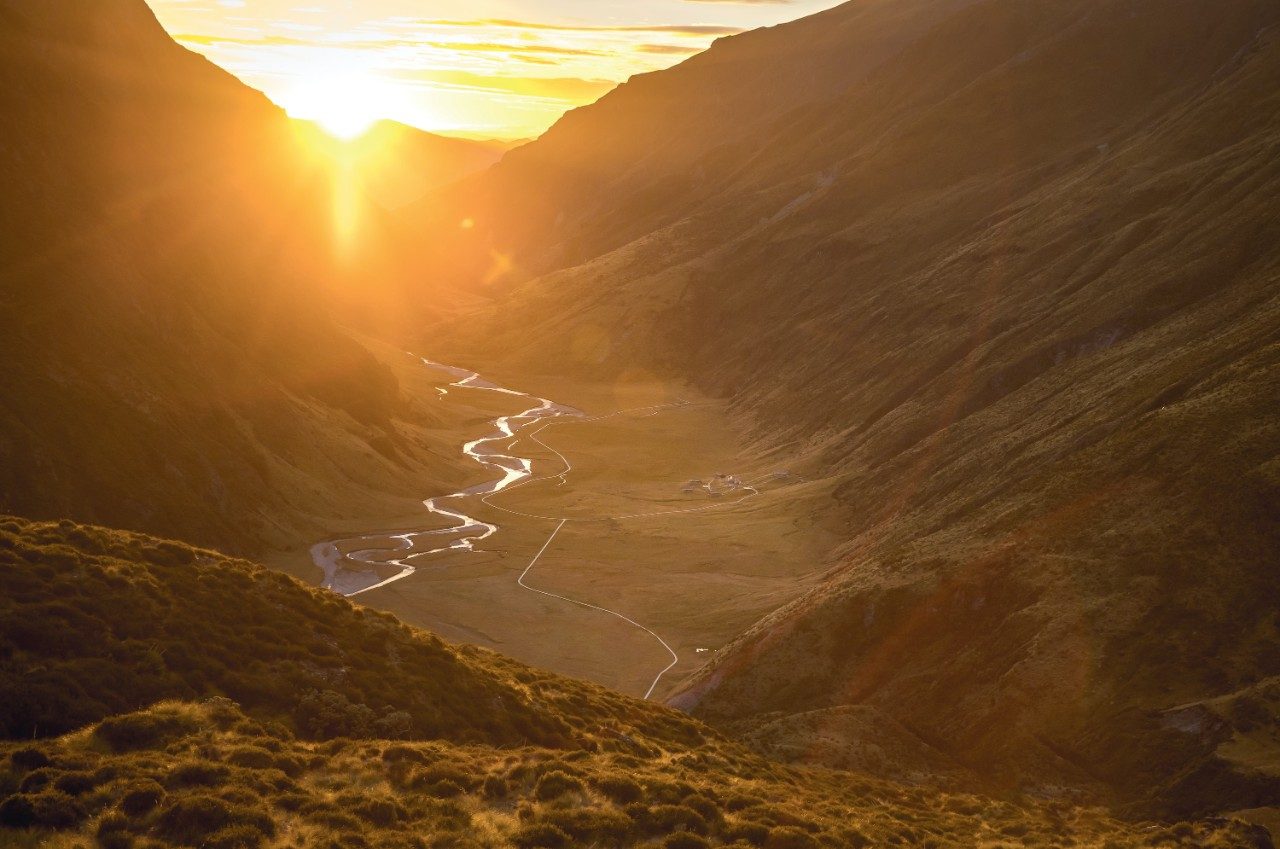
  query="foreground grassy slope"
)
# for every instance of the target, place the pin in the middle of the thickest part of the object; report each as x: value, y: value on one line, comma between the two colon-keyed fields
x: 99, y: 622
x: 1015, y: 289
x: 495, y: 754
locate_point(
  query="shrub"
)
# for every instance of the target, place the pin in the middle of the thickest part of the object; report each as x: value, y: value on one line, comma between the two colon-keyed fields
x: 37, y: 780
x: 555, y: 784
x: 446, y: 789
x: 402, y: 754
x: 709, y: 810
x: 748, y: 832
x: 141, y: 798
x: 292, y: 802
x: 116, y: 840
x: 198, y: 774
x: 112, y: 823
x: 149, y: 730
x: 541, y: 835
x: 235, y: 837
x: 664, y: 819
x: 790, y: 837
x: 113, y: 832
x: 324, y: 715
x: 191, y: 819
x: 685, y: 840
x: 380, y: 812
x: 51, y: 809
x: 251, y: 757
x: 18, y: 811
x: 495, y: 787
x: 28, y: 759
x: 620, y: 789
x: 589, y: 825
x: 335, y: 821
x: 75, y: 783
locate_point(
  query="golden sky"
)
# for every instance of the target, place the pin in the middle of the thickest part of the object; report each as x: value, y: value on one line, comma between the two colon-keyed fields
x: 485, y: 68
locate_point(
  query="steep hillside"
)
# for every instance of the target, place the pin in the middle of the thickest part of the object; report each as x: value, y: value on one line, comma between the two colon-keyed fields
x: 166, y: 267
x: 1015, y: 286
x: 497, y: 754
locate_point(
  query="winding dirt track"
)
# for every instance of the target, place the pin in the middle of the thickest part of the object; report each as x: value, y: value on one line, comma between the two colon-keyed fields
x: 516, y: 472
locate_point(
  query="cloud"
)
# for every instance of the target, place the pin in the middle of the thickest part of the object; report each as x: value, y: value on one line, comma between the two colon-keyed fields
x: 669, y: 29
x: 669, y: 49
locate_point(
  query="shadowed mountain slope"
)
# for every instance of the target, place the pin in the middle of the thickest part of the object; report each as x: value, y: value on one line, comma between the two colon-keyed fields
x: 167, y: 266
x: 1014, y: 284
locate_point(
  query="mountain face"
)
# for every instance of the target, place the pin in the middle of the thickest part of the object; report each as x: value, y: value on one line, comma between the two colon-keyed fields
x: 1009, y: 271
x: 168, y: 265
x: 295, y: 715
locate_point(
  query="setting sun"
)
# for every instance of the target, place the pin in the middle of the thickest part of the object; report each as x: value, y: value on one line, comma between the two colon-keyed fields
x: 346, y: 102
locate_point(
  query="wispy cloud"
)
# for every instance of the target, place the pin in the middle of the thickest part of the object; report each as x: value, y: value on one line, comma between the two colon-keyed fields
x: 487, y: 74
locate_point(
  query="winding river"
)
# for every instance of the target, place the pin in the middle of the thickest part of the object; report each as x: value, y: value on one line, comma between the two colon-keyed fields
x: 396, y: 551
x: 399, y: 550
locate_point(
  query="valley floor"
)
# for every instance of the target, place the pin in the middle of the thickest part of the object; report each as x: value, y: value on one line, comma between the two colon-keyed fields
x: 621, y: 552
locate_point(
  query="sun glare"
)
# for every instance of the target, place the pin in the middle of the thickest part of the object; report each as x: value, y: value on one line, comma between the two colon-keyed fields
x: 345, y: 102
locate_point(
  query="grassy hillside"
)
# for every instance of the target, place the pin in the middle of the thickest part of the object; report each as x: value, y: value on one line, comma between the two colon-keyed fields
x: 1013, y: 287
x: 493, y: 754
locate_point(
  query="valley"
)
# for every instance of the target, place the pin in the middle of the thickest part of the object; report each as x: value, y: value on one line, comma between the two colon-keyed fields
x: 538, y: 554
x: 862, y: 433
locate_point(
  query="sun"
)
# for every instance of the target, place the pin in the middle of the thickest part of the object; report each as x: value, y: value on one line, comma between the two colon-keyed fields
x: 345, y: 102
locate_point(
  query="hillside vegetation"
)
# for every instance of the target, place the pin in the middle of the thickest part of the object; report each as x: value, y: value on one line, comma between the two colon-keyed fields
x: 1008, y: 277
x: 494, y: 754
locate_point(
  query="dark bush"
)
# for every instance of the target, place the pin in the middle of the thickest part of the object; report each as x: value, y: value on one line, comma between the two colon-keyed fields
x: 446, y: 789
x: 555, y: 784
x: 190, y: 820
x: 37, y: 780
x: 541, y: 835
x: 112, y: 823
x: 197, y: 774
x: 290, y: 766
x: 620, y: 789
x: 589, y: 825
x: 141, y: 798
x: 29, y: 759
x: 380, y: 812
x: 335, y: 820
x: 709, y: 810
x: 495, y: 787
x: 149, y: 730
x: 18, y: 811
x: 664, y: 819
x: 398, y: 754
x: 685, y: 840
x: 325, y: 715
x: 251, y: 757
x: 75, y: 783
x: 748, y: 832
x: 51, y: 809
x: 292, y: 802
x: 790, y: 837
x: 116, y: 840
x: 235, y: 837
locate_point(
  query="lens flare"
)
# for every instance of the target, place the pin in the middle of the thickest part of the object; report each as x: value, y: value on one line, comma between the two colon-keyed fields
x: 344, y: 101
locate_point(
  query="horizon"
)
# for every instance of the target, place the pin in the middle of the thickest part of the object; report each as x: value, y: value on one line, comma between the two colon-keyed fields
x: 492, y: 69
